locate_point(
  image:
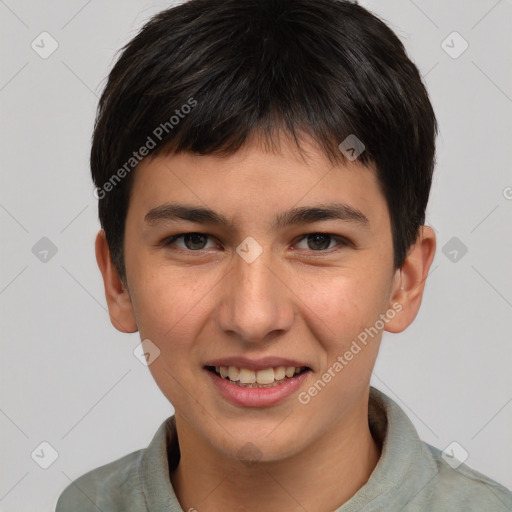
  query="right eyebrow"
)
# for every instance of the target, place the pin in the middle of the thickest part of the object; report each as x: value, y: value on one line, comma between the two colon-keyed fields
x: 199, y: 214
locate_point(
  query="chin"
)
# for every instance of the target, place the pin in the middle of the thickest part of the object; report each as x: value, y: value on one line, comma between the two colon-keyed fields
x: 253, y: 449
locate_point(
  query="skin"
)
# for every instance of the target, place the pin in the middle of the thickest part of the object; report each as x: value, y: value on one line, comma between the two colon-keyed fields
x: 297, y: 300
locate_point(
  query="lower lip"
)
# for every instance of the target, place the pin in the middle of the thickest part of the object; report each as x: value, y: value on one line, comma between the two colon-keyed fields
x: 257, y: 397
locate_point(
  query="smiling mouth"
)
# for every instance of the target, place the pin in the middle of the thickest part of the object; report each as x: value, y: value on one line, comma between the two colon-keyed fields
x: 265, y: 378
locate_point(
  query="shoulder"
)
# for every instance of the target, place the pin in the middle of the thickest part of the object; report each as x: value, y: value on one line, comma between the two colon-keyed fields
x: 459, y: 487
x: 139, y: 481
x: 114, y: 487
x: 413, y: 476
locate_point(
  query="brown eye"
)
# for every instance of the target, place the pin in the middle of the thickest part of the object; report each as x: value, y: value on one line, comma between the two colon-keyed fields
x: 319, y: 242
x: 190, y: 241
x: 195, y: 241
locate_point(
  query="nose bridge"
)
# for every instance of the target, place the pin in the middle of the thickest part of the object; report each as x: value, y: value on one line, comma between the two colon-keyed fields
x: 255, y: 304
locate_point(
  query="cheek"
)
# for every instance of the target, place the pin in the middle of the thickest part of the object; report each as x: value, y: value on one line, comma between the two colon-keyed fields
x: 169, y: 303
x: 170, y: 311
x: 339, y: 307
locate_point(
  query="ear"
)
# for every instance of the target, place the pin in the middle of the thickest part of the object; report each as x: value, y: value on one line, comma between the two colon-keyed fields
x: 118, y: 299
x: 409, y: 281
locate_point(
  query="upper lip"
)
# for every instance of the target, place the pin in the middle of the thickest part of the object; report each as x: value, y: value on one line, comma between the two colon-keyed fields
x: 256, y: 364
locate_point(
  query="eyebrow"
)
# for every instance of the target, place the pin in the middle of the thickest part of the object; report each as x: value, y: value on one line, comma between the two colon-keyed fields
x: 295, y: 216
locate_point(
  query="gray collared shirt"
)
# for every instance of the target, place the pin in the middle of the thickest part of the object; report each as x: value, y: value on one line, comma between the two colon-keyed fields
x: 411, y: 476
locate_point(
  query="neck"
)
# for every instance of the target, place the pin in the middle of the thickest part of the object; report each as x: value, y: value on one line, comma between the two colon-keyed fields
x: 322, y: 477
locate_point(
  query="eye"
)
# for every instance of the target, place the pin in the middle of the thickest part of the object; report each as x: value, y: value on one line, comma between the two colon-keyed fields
x: 321, y: 241
x: 196, y: 242
x: 192, y: 242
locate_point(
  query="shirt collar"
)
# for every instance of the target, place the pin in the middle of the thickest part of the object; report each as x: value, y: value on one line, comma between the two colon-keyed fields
x: 157, y: 462
x: 405, y: 466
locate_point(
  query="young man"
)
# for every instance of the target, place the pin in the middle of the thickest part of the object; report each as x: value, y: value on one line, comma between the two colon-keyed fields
x: 262, y: 170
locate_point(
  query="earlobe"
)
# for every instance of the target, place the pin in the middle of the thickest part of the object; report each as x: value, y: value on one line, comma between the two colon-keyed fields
x: 118, y: 298
x: 410, y: 278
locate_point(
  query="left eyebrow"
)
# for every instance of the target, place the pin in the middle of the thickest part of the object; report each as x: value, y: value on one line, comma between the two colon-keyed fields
x: 310, y: 214
x: 293, y: 217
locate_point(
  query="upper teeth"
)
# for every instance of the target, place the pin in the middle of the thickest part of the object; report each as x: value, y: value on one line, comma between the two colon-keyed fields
x: 265, y: 376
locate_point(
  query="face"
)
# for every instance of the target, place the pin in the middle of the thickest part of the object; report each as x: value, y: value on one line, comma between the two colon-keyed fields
x: 282, y: 270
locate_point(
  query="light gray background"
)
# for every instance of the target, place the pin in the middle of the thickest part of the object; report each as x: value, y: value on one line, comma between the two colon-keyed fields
x: 70, y: 379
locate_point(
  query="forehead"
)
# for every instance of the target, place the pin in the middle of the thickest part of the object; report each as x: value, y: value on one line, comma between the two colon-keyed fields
x: 256, y: 183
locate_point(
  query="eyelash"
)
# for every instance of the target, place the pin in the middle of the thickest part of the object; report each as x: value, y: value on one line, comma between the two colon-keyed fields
x: 342, y: 242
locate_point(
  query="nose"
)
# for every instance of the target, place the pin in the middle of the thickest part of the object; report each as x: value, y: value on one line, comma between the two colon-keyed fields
x: 256, y: 304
